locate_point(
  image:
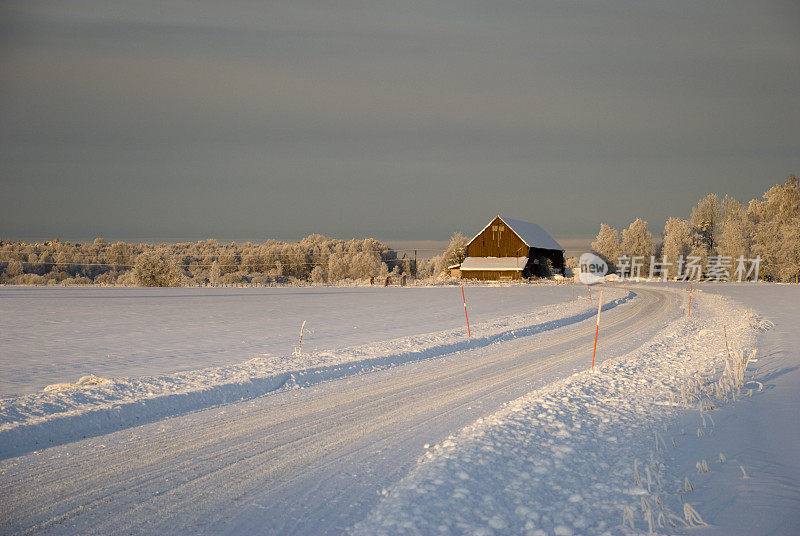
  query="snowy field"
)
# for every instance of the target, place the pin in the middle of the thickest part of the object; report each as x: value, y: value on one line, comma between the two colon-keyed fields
x: 391, y: 422
x: 52, y: 335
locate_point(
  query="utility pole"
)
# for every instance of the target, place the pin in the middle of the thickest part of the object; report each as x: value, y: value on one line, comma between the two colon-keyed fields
x: 415, y: 265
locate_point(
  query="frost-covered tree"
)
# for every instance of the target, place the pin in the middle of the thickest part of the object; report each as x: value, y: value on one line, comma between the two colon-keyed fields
x: 14, y: 268
x: 455, y: 253
x: 318, y: 275
x: 637, y: 240
x: 156, y: 269
x: 228, y: 261
x: 365, y: 265
x: 705, y: 220
x: 678, y: 241
x: 118, y: 254
x: 214, y: 274
x: 789, y: 255
x: 606, y: 245
x: 252, y: 261
x: 338, y: 267
x: 776, y: 221
x: 427, y: 267
x: 736, y: 233
x: 63, y: 259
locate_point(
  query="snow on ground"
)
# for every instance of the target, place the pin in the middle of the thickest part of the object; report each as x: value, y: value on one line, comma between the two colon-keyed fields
x: 620, y: 450
x: 757, y: 436
x: 94, y: 405
x: 50, y: 335
x: 651, y: 441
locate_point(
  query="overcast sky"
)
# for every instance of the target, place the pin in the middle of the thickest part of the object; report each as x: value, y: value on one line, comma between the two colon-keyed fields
x: 401, y: 120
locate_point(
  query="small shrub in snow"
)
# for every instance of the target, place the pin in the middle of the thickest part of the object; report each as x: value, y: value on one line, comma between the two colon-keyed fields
x: 627, y: 516
x: 745, y: 476
x: 692, y: 517
x: 660, y: 440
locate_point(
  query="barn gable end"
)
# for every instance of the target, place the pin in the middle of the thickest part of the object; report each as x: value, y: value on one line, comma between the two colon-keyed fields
x: 526, y: 242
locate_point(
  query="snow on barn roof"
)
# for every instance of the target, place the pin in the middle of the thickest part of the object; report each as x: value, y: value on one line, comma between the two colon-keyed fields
x: 494, y: 263
x: 532, y: 234
x: 529, y: 232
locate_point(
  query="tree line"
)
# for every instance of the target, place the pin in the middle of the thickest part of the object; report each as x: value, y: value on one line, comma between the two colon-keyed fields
x: 767, y: 228
x: 316, y: 258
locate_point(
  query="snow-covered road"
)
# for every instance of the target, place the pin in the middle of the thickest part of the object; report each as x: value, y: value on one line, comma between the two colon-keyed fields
x: 309, y: 461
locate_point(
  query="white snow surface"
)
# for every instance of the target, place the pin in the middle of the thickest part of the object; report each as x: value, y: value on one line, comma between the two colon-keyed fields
x: 50, y: 335
x: 95, y: 405
x: 644, y: 444
x: 651, y: 441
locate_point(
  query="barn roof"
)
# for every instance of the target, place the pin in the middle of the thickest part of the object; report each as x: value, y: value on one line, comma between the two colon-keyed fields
x: 514, y: 264
x: 530, y: 233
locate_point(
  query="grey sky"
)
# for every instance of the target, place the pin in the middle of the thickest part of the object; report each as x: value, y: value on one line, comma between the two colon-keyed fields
x: 399, y: 120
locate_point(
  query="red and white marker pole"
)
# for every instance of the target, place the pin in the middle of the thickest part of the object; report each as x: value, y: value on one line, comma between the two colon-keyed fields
x: 464, y: 297
x: 590, y: 295
x: 690, y: 298
x: 597, y: 327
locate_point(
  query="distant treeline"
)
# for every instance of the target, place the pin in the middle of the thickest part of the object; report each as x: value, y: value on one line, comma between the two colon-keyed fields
x: 315, y: 258
x: 720, y: 231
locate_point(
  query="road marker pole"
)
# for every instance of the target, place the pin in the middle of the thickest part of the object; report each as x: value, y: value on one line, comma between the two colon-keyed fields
x: 597, y: 327
x: 464, y: 297
x: 590, y: 295
x: 690, y: 298
x: 299, y: 351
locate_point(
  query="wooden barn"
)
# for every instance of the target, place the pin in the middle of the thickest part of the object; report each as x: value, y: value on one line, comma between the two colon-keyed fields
x: 509, y: 249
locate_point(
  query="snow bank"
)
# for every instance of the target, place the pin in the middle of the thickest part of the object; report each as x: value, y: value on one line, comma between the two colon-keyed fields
x: 587, y: 455
x: 66, y: 412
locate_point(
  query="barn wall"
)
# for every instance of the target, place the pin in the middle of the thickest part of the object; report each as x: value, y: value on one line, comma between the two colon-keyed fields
x: 491, y: 275
x: 497, y: 243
